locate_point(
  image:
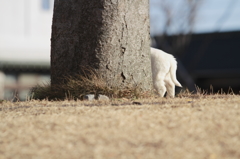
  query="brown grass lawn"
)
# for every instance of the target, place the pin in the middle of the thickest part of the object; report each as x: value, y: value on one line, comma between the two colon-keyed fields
x: 193, y: 127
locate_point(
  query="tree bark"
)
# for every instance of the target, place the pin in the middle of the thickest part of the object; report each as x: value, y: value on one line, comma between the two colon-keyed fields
x: 110, y: 36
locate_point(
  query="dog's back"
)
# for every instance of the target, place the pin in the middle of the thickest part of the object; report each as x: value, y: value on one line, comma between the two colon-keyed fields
x: 164, y: 68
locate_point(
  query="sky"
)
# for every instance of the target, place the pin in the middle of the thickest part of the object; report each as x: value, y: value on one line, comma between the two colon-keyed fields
x: 211, y: 16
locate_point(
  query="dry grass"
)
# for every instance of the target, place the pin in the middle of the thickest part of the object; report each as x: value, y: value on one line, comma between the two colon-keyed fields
x: 74, y: 87
x: 189, y: 127
x: 89, y: 82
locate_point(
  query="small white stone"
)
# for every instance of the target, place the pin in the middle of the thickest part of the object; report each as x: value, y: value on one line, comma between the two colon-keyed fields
x: 103, y: 97
x: 89, y: 97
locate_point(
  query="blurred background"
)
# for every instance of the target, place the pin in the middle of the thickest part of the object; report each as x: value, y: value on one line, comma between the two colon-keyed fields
x: 204, y: 36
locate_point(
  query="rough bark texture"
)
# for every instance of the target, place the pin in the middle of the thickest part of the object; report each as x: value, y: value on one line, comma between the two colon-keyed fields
x: 111, y: 36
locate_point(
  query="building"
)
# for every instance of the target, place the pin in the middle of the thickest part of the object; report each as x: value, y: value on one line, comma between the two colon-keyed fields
x: 211, y: 60
x: 25, y: 33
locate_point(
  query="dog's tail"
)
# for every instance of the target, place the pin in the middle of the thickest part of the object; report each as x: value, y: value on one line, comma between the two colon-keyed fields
x: 173, y: 70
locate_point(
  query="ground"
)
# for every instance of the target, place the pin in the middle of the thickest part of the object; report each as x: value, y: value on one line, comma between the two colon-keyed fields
x: 200, y: 126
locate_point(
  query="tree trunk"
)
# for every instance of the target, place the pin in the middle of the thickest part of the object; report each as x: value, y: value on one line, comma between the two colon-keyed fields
x: 110, y: 36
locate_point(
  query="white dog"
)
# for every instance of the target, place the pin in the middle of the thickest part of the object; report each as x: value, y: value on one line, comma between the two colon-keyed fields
x: 164, y: 68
